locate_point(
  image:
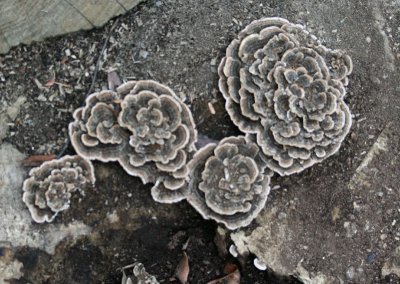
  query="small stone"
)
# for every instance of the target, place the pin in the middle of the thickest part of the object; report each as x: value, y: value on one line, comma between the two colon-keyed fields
x: 371, y: 257
x: 12, y: 113
x: 351, y: 229
x: 282, y: 215
x: 375, y: 80
x: 368, y: 39
x: 41, y: 98
x: 143, y: 54
x: 350, y: 272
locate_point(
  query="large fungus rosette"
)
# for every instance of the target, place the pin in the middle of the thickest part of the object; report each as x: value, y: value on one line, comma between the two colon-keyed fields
x: 95, y: 133
x: 162, y: 135
x: 146, y: 128
x: 228, y: 182
x: 49, y: 188
x: 284, y: 87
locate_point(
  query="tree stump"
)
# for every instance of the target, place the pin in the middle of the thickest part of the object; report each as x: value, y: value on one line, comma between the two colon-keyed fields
x: 27, y: 21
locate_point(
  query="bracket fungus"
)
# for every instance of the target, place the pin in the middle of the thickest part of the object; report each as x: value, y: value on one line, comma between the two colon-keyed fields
x: 146, y: 128
x: 286, y: 89
x: 49, y: 188
x: 229, y: 182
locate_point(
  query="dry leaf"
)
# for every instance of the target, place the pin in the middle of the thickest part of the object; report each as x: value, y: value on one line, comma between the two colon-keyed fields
x: 37, y: 160
x: 182, y: 270
x: 233, y: 278
x: 230, y: 268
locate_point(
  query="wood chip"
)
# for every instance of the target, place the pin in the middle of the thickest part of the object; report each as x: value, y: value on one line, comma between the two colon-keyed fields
x: 37, y: 160
x: 113, y: 80
x: 39, y: 85
x: 211, y: 108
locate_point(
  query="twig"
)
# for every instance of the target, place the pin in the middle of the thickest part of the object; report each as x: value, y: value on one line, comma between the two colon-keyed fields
x: 94, y: 77
x: 100, y: 55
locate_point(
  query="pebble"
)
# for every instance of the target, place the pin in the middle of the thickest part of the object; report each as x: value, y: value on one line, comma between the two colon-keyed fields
x: 213, y: 62
x: 282, y: 215
x: 41, y: 98
x: 143, y: 54
x: 350, y: 272
x: 68, y: 52
x: 371, y: 257
x: 351, y: 229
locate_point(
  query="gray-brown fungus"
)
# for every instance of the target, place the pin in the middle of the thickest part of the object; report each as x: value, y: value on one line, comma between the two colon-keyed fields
x: 229, y: 182
x: 282, y: 86
x: 95, y: 134
x: 139, y: 275
x: 146, y: 128
x: 49, y: 188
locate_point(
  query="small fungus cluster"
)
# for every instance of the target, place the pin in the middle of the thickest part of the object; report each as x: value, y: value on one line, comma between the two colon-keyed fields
x: 282, y: 86
x: 49, y: 188
x: 138, y: 276
x: 283, y: 89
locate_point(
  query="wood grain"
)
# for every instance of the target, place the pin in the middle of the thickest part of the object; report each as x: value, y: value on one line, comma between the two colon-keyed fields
x: 24, y: 21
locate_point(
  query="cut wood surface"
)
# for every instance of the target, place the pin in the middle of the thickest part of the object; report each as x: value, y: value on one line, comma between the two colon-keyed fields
x: 24, y: 21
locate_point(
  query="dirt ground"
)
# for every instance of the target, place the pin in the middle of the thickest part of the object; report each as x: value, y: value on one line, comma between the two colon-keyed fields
x: 180, y: 43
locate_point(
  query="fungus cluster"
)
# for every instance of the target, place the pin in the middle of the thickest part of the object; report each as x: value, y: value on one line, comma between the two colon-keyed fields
x: 146, y: 128
x: 286, y: 89
x: 139, y: 275
x: 283, y: 89
x: 49, y: 188
x: 228, y: 182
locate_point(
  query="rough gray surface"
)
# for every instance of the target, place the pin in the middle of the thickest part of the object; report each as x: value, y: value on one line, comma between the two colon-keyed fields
x: 16, y: 222
x: 340, y: 216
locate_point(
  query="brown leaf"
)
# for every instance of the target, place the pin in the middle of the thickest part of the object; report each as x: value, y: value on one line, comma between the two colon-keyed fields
x: 233, y: 278
x: 230, y: 268
x: 182, y: 270
x: 37, y: 160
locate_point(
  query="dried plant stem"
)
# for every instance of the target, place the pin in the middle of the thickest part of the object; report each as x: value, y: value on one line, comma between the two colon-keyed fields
x: 94, y: 77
